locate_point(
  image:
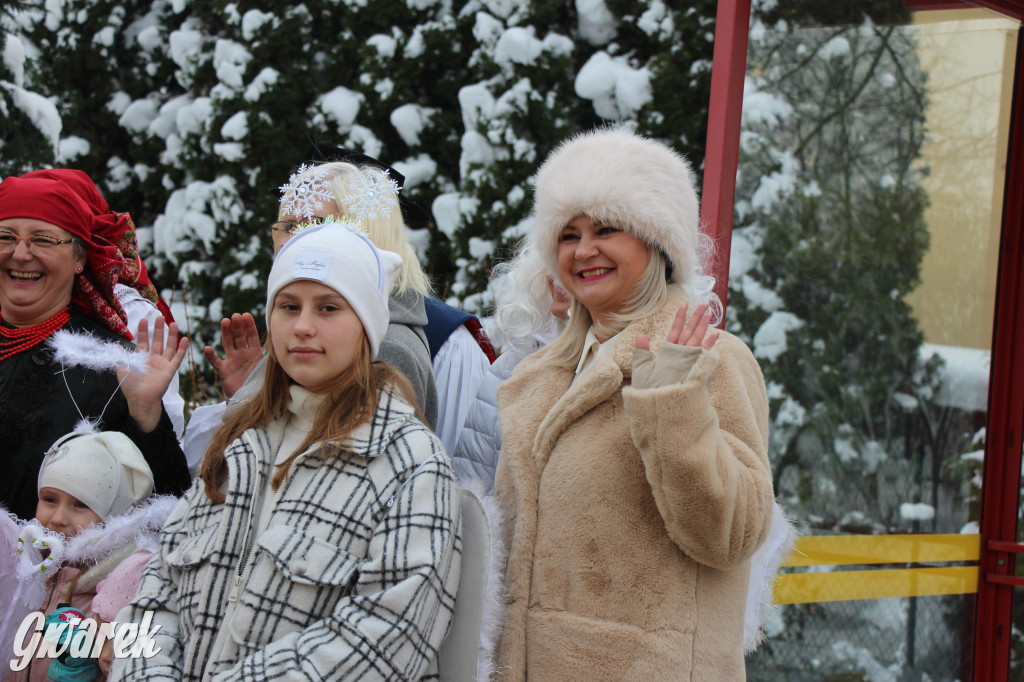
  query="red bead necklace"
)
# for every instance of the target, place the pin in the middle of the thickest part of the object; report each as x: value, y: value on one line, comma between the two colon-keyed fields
x: 14, y: 340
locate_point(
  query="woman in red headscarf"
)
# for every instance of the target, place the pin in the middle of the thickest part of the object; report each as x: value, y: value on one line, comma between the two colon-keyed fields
x: 111, y: 228
x: 62, y: 333
x: 130, y: 279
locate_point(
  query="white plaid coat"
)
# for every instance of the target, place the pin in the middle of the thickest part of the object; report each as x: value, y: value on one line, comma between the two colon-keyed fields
x: 354, y: 577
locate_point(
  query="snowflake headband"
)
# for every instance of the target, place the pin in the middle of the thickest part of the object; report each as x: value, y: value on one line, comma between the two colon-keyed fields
x: 307, y: 192
x: 368, y: 194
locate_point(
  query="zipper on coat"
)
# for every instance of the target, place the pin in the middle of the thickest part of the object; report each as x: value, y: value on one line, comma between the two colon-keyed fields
x: 247, y: 552
x: 221, y: 647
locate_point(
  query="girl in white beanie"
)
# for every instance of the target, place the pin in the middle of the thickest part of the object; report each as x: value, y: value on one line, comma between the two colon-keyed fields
x: 633, y: 476
x: 321, y: 539
x: 94, y: 490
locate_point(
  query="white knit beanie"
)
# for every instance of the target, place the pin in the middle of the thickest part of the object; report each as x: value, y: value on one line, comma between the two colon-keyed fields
x: 618, y: 177
x: 338, y: 256
x: 105, y: 470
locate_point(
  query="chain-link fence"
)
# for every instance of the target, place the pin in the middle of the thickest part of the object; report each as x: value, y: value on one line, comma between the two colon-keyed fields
x: 918, y: 639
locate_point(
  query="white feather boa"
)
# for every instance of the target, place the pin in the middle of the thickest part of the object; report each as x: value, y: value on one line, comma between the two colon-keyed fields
x: 81, y: 349
x: 138, y: 524
x: 764, y: 566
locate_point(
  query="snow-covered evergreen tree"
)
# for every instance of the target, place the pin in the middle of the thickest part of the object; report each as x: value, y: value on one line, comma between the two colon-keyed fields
x: 29, y: 123
x: 190, y: 115
x: 198, y: 112
x: 831, y: 237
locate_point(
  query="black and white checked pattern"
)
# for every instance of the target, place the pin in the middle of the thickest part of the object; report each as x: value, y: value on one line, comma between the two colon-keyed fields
x: 354, y: 577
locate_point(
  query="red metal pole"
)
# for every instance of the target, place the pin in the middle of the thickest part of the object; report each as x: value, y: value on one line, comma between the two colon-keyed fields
x: 725, y: 109
x: 1001, y: 473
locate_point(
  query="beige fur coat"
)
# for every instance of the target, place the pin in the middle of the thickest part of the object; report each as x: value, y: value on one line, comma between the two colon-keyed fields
x: 631, y: 514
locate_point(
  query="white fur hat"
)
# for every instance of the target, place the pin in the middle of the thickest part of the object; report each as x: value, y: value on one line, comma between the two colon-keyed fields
x: 618, y: 177
x: 105, y: 470
x: 338, y: 256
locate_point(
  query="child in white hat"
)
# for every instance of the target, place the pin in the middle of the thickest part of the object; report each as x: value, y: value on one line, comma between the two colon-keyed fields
x: 94, y: 489
x: 89, y: 478
x: 322, y: 540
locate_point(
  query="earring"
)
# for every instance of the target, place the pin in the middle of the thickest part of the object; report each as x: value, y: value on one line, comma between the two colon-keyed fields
x: 78, y: 269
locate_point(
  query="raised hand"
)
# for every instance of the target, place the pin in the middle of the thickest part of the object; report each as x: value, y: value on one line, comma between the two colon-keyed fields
x: 687, y: 332
x: 145, y: 390
x: 242, y: 351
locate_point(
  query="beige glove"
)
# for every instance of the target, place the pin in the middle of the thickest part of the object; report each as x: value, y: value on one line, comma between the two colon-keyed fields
x: 670, y: 366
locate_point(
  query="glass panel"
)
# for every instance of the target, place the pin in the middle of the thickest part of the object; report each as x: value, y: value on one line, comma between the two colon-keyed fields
x: 868, y: 211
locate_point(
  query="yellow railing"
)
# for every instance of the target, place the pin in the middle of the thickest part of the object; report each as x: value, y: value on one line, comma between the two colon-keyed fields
x: 856, y: 550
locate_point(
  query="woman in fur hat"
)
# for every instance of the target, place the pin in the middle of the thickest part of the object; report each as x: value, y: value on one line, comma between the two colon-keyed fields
x: 322, y: 541
x: 634, y: 475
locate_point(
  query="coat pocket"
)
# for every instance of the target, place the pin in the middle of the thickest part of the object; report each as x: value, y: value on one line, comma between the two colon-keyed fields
x: 193, y: 550
x: 294, y: 580
x: 192, y: 571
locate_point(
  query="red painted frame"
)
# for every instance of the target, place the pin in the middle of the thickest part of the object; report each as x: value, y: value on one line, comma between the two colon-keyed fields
x: 1001, y: 473
x: 1005, y: 425
x: 722, y: 151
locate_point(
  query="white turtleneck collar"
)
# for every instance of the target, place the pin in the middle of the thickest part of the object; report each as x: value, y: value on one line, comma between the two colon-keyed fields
x: 303, y: 406
x: 302, y: 409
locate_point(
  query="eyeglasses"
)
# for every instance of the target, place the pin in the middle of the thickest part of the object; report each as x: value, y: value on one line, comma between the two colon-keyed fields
x: 284, y: 226
x: 293, y: 228
x: 42, y: 242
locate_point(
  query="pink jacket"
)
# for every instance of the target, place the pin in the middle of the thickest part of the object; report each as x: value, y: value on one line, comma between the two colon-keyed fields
x: 57, y: 592
x: 117, y: 589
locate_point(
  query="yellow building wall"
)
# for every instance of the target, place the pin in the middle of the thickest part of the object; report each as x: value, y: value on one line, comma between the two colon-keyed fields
x: 968, y: 56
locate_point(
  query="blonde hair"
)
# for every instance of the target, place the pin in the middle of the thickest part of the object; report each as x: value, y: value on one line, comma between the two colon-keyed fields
x: 386, y: 232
